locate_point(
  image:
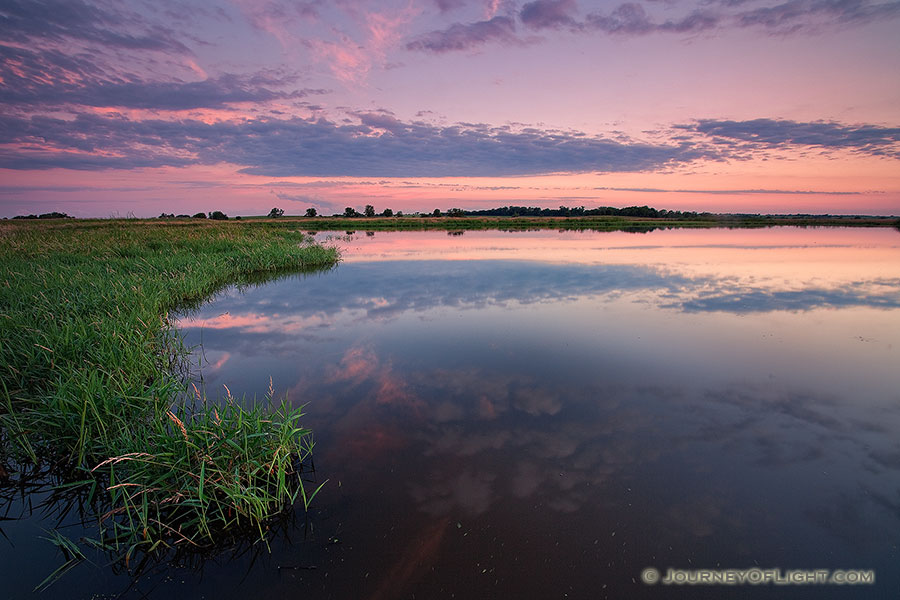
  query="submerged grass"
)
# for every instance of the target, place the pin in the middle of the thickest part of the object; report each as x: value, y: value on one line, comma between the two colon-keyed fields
x: 89, y: 377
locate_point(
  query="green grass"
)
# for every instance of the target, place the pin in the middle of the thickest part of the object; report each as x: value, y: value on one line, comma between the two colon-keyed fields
x: 91, y: 375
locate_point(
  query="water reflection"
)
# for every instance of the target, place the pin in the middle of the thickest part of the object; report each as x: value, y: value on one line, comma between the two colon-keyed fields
x: 383, y: 290
x: 876, y: 294
x: 543, y: 412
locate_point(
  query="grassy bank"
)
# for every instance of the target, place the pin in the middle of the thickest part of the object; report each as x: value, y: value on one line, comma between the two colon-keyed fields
x: 89, y: 370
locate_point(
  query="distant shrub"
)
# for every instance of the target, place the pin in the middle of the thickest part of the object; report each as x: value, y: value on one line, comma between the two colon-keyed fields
x: 199, y: 216
x: 387, y: 213
x: 218, y: 215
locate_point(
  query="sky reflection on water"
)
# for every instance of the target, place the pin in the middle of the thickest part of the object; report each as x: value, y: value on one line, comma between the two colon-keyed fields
x: 543, y: 413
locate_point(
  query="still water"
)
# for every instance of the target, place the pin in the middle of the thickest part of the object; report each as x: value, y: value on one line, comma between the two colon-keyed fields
x: 547, y: 414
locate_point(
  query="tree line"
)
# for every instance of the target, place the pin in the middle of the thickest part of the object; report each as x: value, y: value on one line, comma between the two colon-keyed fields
x: 581, y: 211
x: 503, y: 211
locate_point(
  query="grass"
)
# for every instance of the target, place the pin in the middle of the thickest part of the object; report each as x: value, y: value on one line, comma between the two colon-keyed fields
x: 90, y: 378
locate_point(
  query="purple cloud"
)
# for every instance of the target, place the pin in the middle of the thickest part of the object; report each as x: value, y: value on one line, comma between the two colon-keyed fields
x: 807, y: 15
x: 448, y: 5
x: 631, y: 19
x: 52, y: 78
x: 549, y: 14
x: 461, y: 36
x: 24, y: 21
x: 777, y: 133
x: 381, y: 120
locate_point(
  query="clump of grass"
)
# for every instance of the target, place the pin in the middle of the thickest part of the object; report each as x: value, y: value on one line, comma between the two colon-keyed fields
x: 89, y: 378
x: 205, y: 473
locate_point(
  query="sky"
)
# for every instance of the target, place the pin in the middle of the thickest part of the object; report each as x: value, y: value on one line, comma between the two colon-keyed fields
x: 139, y: 107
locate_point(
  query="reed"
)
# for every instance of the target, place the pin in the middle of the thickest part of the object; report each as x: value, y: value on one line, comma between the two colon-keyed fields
x: 90, y: 378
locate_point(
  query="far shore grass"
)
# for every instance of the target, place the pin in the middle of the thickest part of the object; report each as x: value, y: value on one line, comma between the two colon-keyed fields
x: 91, y: 377
x: 594, y: 223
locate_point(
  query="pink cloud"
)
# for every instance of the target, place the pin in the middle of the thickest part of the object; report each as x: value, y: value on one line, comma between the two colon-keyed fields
x: 357, y: 364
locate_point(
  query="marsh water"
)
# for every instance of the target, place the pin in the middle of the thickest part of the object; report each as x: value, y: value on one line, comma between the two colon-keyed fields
x: 546, y: 414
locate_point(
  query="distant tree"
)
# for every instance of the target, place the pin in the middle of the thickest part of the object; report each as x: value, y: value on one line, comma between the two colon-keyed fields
x: 436, y: 213
x: 276, y: 212
x: 387, y: 213
x: 199, y: 216
x: 640, y: 211
x: 311, y: 212
x: 167, y: 216
x: 369, y: 210
x: 399, y: 213
x: 237, y: 218
x: 183, y: 216
x: 350, y: 212
x: 456, y: 212
x: 218, y: 215
x: 50, y: 215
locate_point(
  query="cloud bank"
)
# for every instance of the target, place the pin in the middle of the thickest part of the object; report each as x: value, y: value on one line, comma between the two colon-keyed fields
x: 634, y: 19
x: 782, y: 133
x: 378, y: 145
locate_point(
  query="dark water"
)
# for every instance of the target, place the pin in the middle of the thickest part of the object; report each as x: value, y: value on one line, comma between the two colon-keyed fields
x: 544, y: 415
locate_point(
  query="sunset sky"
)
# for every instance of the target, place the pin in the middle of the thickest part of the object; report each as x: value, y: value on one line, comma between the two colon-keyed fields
x: 142, y: 107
